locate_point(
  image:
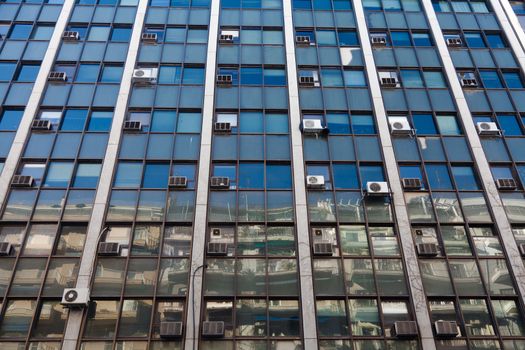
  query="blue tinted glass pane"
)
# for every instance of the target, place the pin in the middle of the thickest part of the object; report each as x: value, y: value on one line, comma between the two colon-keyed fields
x: 421, y: 39
x: 58, y: 174
x: 6, y: 71
x: 186, y: 147
x: 495, y: 41
x: 87, y: 175
x: 474, y: 40
x: 278, y: 176
x: 302, y: 4
x: 251, y: 175
x: 363, y: 124
x: 354, y: 78
x: 338, y: 123
x: 490, y: 79
x: 156, y: 176
x: 87, y: 73
x: 164, y: 121
x: 424, y: 124
x: 251, y: 122
x: 465, y: 178
x: 509, y: 125
x: 128, y: 175
x: 348, y: 38
x: 111, y: 74
x: 98, y: 33
x: 193, y: 76
x: 27, y: 73
x: 189, y: 122
x: 410, y: 172
x: 371, y: 173
x: 251, y: 76
x: 342, y: 5
x: 400, y: 39
x: 345, y: 176
x: 10, y: 119
x: 20, y: 31
x: 513, y: 80
x: 448, y: 125
x: 170, y: 75
x: 100, y: 121
x: 74, y: 119
x: 411, y: 78
x: 187, y: 170
x: 121, y: 34
x: 331, y: 77
x: 438, y: 177
x: 276, y: 123
x: 274, y: 77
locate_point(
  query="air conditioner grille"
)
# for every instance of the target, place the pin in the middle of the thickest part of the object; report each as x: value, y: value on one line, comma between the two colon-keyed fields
x: 506, y: 184
x: 412, y: 183
x: 178, y: 181
x: 427, y: 249
x: 5, y: 248
x: 323, y: 248
x: 213, y: 329
x: 217, y: 248
x: 405, y: 329
x: 219, y: 182
x: 446, y: 329
x: 109, y: 248
x: 170, y: 329
x: 22, y: 181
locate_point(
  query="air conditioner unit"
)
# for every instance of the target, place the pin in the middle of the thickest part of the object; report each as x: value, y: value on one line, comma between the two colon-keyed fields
x: 226, y: 38
x: 170, y: 330
x: 378, y: 40
x: 487, y: 128
x: 5, y: 249
x: 389, y: 82
x: 315, y: 181
x: 149, y: 38
x: 108, y: 249
x: 222, y: 127
x: 302, y: 40
x: 454, y: 42
x: 75, y: 297
x: 446, y: 329
x: 219, y: 182
x: 145, y: 75
x: 22, y: 181
x: 70, y: 36
x: 427, y: 249
x: 306, y: 80
x: 217, y: 249
x: 376, y: 188
x: 469, y: 82
x: 41, y: 124
x: 506, y: 184
x: 412, y: 183
x: 323, y: 248
x: 399, y: 125
x: 213, y: 329
x: 178, y: 182
x: 224, y: 79
x: 131, y: 125
x: 405, y: 329
x: 312, y: 126
x: 57, y: 76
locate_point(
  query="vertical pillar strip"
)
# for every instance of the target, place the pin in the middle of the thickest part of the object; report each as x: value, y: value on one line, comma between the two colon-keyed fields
x: 33, y: 103
x: 301, y: 210
x: 201, y: 206
x: 510, y: 25
x: 494, y: 200
x: 72, y: 334
x: 401, y: 213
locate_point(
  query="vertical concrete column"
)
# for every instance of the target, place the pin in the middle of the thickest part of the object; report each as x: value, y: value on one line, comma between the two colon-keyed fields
x: 512, y: 28
x: 301, y: 210
x: 401, y: 213
x: 86, y: 270
x: 24, y: 129
x: 201, y: 208
x: 494, y: 200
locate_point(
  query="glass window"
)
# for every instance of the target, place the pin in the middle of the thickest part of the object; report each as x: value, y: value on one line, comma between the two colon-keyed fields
x: 170, y: 74
x: 87, y: 175
x: 448, y: 125
x: 87, y: 73
x: 10, y: 119
x: 438, y: 177
x: 434, y: 79
x: 490, y: 79
x: 111, y: 74
x: 20, y: 31
x: 411, y: 78
x: 421, y: 39
x: 513, y: 80
x: 156, y: 176
x: 509, y: 125
x: 194, y: 76
x: 6, y: 71
x: 58, y: 174
x: 98, y: 33
x: 100, y: 121
x: 474, y: 40
x: 354, y: 78
x: 102, y: 319
x: 74, y: 120
x: 348, y: 38
x: 17, y: 318
x: 400, y: 39
x: 495, y: 41
x: 465, y: 178
x: 27, y: 73
x: 128, y: 174
x: 121, y: 34
x: 424, y: 124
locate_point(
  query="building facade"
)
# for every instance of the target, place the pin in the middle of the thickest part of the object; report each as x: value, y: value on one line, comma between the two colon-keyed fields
x: 262, y: 174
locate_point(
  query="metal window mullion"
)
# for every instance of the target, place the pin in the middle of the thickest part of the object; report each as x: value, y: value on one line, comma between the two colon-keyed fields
x: 511, y: 26
x: 492, y: 194
x: 413, y: 273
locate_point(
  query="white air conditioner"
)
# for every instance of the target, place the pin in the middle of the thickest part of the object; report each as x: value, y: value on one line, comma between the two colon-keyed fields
x: 377, y: 188
x: 469, y: 82
x: 377, y: 40
x: 312, y: 126
x: 75, y: 297
x: 454, y: 42
x: 145, y: 75
x: 389, y: 82
x: 226, y: 38
x: 487, y: 128
x: 315, y: 181
x: 70, y: 36
x: 149, y: 38
x: 302, y: 40
x: 399, y: 125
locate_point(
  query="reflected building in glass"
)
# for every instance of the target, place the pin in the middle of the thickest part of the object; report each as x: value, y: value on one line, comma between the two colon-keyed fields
x: 262, y: 175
